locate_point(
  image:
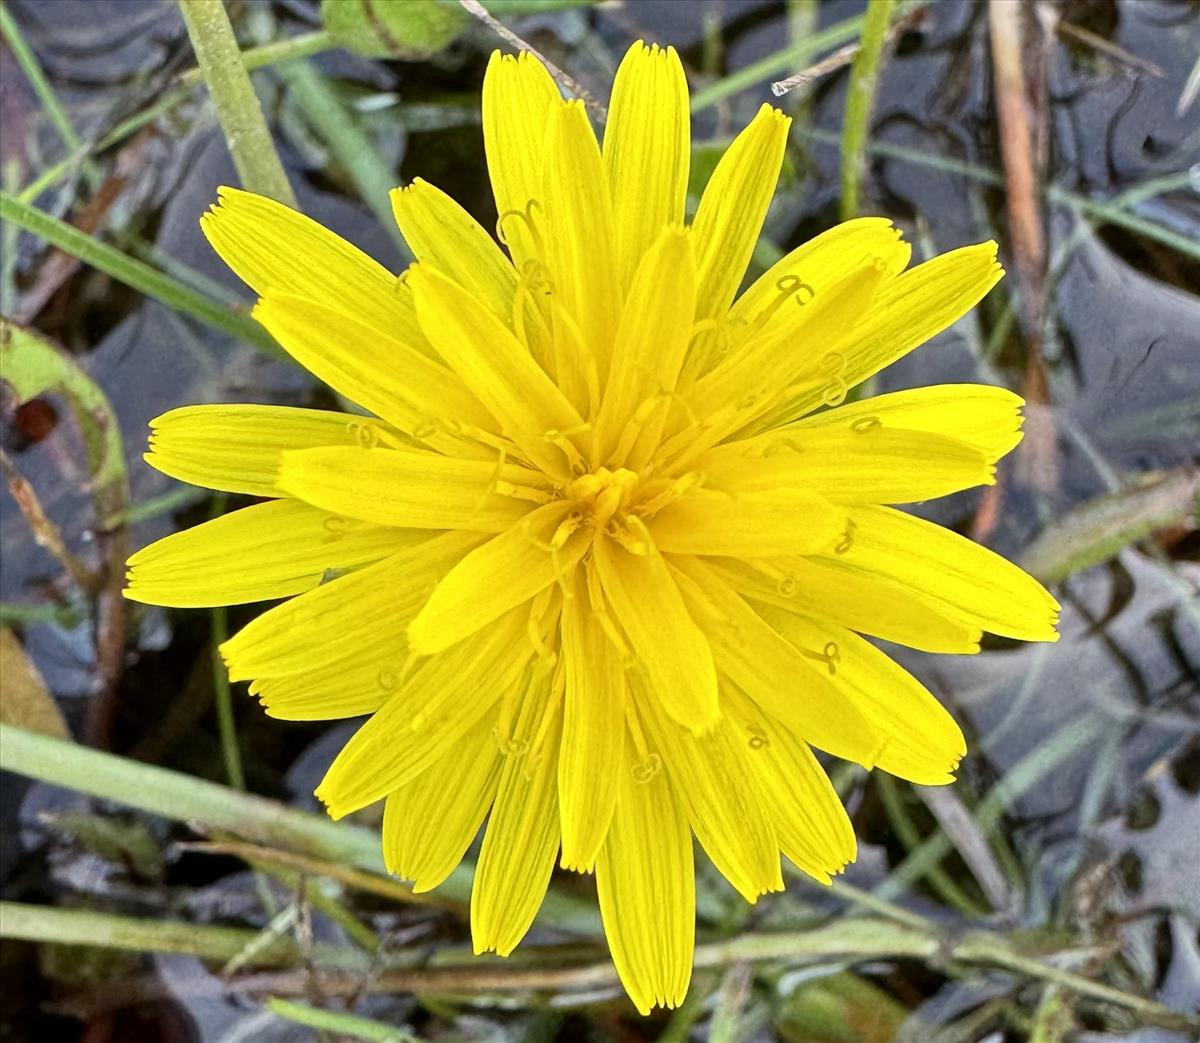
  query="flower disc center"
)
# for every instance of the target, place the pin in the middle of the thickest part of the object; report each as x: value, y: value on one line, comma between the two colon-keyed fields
x: 602, y: 493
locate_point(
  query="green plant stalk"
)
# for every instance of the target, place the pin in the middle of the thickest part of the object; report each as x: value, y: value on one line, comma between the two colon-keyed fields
x: 231, y: 753
x: 136, y: 274
x: 238, y: 108
x: 188, y: 799
x: 41, y: 923
x: 161, y: 260
x: 803, y: 18
x: 351, y: 148
x: 54, y: 173
x: 223, y: 699
x: 1053, y: 1020
x: 938, y: 878
x: 32, y: 68
x: 856, y: 896
x: 164, y: 503
x: 726, y: 1024
x: 854, y: 940
x: 1023, y: 775
x: 13, y: 613
x: 9, y: 234
x: 302, y: 45
x: 350, y: 1026
x: 860, y: 97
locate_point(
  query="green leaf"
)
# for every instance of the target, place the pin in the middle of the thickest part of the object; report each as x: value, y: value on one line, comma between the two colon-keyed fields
x: 1098, y: 530
x: 410, y: 31
x: 413, y: 30
x: 34, y: 365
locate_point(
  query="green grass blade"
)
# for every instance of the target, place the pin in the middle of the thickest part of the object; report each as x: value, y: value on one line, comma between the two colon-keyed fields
x: 188, y: 799
x: 135, y: 274
x: 346, y: 1026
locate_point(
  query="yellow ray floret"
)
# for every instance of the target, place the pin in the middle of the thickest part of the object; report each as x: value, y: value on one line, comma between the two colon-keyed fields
x: 597, y: 559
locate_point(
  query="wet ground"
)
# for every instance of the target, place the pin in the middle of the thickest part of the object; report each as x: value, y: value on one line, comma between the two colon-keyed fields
x: 1072, y: 830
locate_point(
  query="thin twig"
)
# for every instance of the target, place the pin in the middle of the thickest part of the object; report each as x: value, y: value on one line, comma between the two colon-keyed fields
x: 843, y: 56
x: 477, y: 9
x: 45, y: 532
x: 1021, y: 121
x: 1097, y: 43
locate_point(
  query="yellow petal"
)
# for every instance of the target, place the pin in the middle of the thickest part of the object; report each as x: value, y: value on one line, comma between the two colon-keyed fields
x: 405, y: 487
x: 748, y: 525
x: 356, y: 619
x: 917, y: 739
x: 496, y: 367
x: 794, y: 683
x: 984, y: 417
x: 349, y: 687
x: 647, y: 149
x: 271, y: 550
x: 429, y: 823
x: 518, y: 95
x: 816, y: 265
x: 733, y: 208
x: 580, y: 239
x: 858, y: 600
x: 767, y: 368
x: 442, y: 234
x: 593, y: 740
x: 812, y: 827
x: 863, y: 461
x: 712, y: 778
x: 668, y: 643
x: 647, y: 889
x: 652, y: 338
x: 434, y: 706
x: 971, y: 582
x: 521, y: 841
x: 235, y: 448
x: 908, y: 310
x: 376, y: 368
x: 275, y: 250
x: 505, y: 572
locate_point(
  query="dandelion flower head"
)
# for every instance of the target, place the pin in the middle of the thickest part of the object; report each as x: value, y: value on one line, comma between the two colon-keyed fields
x: 597, y: 558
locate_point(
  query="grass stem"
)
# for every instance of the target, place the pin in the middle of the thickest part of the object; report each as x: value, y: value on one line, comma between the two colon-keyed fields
x: 135, y: 274
x: 345, y: 1026
x: 238, y: 108
x: 860, y: 97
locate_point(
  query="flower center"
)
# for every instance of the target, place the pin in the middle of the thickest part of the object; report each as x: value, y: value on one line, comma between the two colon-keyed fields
x: 603, y: 493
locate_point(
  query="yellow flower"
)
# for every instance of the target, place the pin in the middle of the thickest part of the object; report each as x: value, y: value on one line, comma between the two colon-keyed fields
x: 597, y: 565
